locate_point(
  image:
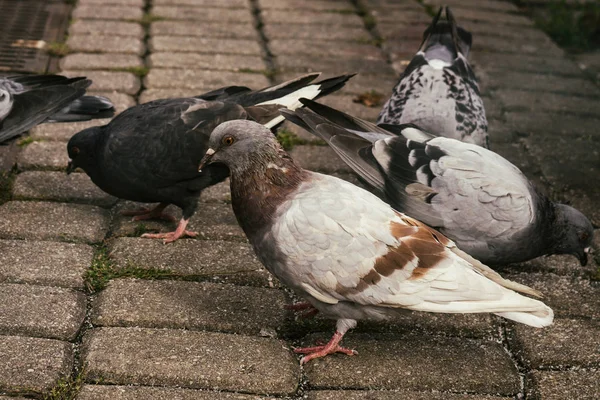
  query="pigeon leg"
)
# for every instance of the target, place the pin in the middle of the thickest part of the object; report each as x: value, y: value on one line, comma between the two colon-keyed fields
x: 152, y: 213
x: 172, y: 236
x: 321, y: 351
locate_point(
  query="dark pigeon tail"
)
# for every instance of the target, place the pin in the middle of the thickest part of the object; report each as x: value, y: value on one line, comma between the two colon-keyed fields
x: 447, y: 34
x: 85, y: 108
x: 332, y: 84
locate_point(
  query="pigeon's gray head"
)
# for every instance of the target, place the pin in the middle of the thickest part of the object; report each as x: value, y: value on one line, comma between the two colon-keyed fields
x: 575, y: 233
x: 6, y: 103
x: 241, y: 144
x: 82, y: 150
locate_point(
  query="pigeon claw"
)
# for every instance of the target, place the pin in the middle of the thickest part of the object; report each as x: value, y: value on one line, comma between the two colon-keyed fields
x: 169, y: 237
x: 321, y: 351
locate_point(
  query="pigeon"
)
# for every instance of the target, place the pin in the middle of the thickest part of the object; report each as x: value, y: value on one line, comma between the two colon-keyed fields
x: 150, y: 152
x: 29, y: 100
x: 472, y: 195
x: 438, y: 90
x: 348, y: 253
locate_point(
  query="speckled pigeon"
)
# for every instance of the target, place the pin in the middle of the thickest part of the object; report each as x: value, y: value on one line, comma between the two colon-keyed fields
x: 438, y: 90
x: 470, y: 194
x: 150, y: 152
x: 348, y: 253
x: 29, y: 100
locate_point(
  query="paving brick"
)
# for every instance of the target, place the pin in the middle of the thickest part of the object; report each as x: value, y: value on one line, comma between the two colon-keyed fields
x: 332, y: 32
x: 44, y: 263
x: 346, y: 104
x: 318, y: 158
x: 46, y: 185
x: 190, y: 305
x: 202, y: 80
x: 528, y: 123
x: 301, y: 63
x: 33, y: 365
x: 559, y: 385
x: 204, y: 45
x: 393, y: 4
x: 230, y: 261
x: 108, y: 81
x: 567, y: 296
x: 106, y: 44
x: 494, y: 62
x: 400, y: 16
x: 205, y: 29
x: 477, y: 4
x: 539, y: 82
x: 567, y: 343
x: 322, y: 5
x: 493, y: 108
x: 52, y: 221
x: 341, y: 50
x: 227, y: 62
x: 220, y: 193
x: 99, y: 27
x: 190, y: 359
x: 515, y: 46
x: 121, y: 101
x: 83, y: 61
x: 155, y: 94
x: 136, y: 3
x: 116, y: 392
x: 46, y: 155
x: 212, y: 221
x: 43, y: 311
x: 520, y: 100
x: 417, y: 362
x: 391, y: 395
x: 222, y: 15
x: 359, y: 84
x: 309, y: 18
x: 113, y: 12
x: 206, y: 3
x: 63, y: 131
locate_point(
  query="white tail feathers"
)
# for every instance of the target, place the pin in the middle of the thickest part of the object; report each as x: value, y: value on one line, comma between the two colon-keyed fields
x: 526, y: 311
x: 291, y: 101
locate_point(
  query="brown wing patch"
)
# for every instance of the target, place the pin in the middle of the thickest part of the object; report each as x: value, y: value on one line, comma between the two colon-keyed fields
x: 396, y: 258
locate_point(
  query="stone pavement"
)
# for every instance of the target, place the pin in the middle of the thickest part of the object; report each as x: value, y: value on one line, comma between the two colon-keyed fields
x: 89, y: 310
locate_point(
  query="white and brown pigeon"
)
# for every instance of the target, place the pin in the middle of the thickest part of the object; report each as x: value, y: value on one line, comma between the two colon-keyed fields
x: 438, y: 90
x: 470, y: 194
x: 150, y: 152
x: 348, y: 253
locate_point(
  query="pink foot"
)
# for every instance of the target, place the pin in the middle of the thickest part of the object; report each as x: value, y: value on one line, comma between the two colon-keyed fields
x: 322, y: 351
x: 309, y: 310
x: 172, y: 236
x: 150, y: 213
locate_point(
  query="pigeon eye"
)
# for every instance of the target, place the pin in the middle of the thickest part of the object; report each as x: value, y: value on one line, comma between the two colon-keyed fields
x: 583, y: 237
x: 75, y: 150
x: 228, y: 140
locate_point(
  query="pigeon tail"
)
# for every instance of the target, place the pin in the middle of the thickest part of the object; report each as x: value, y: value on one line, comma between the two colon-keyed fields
x: 85, y: 108
x: 526, y: 311
x: 444, y: 40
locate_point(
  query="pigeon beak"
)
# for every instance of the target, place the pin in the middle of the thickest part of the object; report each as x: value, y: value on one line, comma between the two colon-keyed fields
x: 206, y: 159
x: 71, y: 167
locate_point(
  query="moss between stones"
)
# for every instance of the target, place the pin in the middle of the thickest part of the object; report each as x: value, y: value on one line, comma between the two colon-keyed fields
x: 67, y: 388
x: 137, y: 71
x: 57, y: 49
x: 7, y: 179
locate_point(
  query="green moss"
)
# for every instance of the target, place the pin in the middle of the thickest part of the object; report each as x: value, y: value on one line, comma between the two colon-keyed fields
x: 7, y: 178
x: 67, y: 388
x: 137, y: 71
x: 103, y: 270
x: 139, y: 230
x: 289, y: 139
x: 25, y: 141
x: 147, y: 19
x: 57, y: 49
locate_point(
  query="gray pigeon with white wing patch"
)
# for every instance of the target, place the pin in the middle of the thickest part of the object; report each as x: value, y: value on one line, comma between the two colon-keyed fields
x: 438, y: 90
x: 348, y: 253
x: 471, y: 194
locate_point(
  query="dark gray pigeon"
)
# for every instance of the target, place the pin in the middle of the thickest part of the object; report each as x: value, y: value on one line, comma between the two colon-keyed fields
x: 29, y: 100
x: 345, y: 251
x: 150, y: 152
x: 438, y: 90
x: 470, y: 194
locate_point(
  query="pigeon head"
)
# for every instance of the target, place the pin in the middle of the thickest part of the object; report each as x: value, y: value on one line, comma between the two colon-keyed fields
x: 240, y: 145
x: 6, y: 103
x: 575, y: 233
x: 82, y: 150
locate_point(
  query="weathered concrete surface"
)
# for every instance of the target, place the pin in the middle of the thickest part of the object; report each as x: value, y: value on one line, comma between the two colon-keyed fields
x: 63, y: 132
x: 558, y: 385
x: 392, y: 395
x: 189, y: 359
x: 116, y: 392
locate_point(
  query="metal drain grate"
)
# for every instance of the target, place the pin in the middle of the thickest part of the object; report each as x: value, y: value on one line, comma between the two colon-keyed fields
x: 25, y: 27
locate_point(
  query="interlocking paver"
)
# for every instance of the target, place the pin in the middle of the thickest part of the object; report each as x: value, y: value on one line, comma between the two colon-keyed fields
x: 204, y: 45
x: 202, y: 80
x: 419, y: 362
x: 116, y: 392
x: 52, y: 221
x: 100, y: 27
x: 201, y: 258
x: 346, y: 103
x: 476, y: 4
x: 222, y: 15
x: 551, y: 124
x: 567, y: 343
x: 115, y: 12
x: 43, y: 155
x: 319, y: 5
x: 359, y: 84
x: 138, y: 3
x: 318, y: 158
x: 514, y: 47
x: 342, y: 50
x: 538, y: 82
x: 205, y: 29
x: 44, y: 263
x: 228, y: 62
x: 302, y: 63
x: 63, y: 131
x: 107, y: 81
x: 307, y: 17
x: 496, y: 62
x: 517, y: 100
x: 33, y: 365
x: 106, y: 44
x: 190, y: 305
x: 47, y: 185
x: 392, y: 395
x: 43, y: 311
x: 190, y: 359
x: 559, y: 385
x: 356, y: 34
x: 83, y: 61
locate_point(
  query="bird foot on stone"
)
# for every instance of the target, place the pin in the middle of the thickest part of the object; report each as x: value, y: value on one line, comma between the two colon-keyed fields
x: 169, y: 237
x: 321, y: 351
